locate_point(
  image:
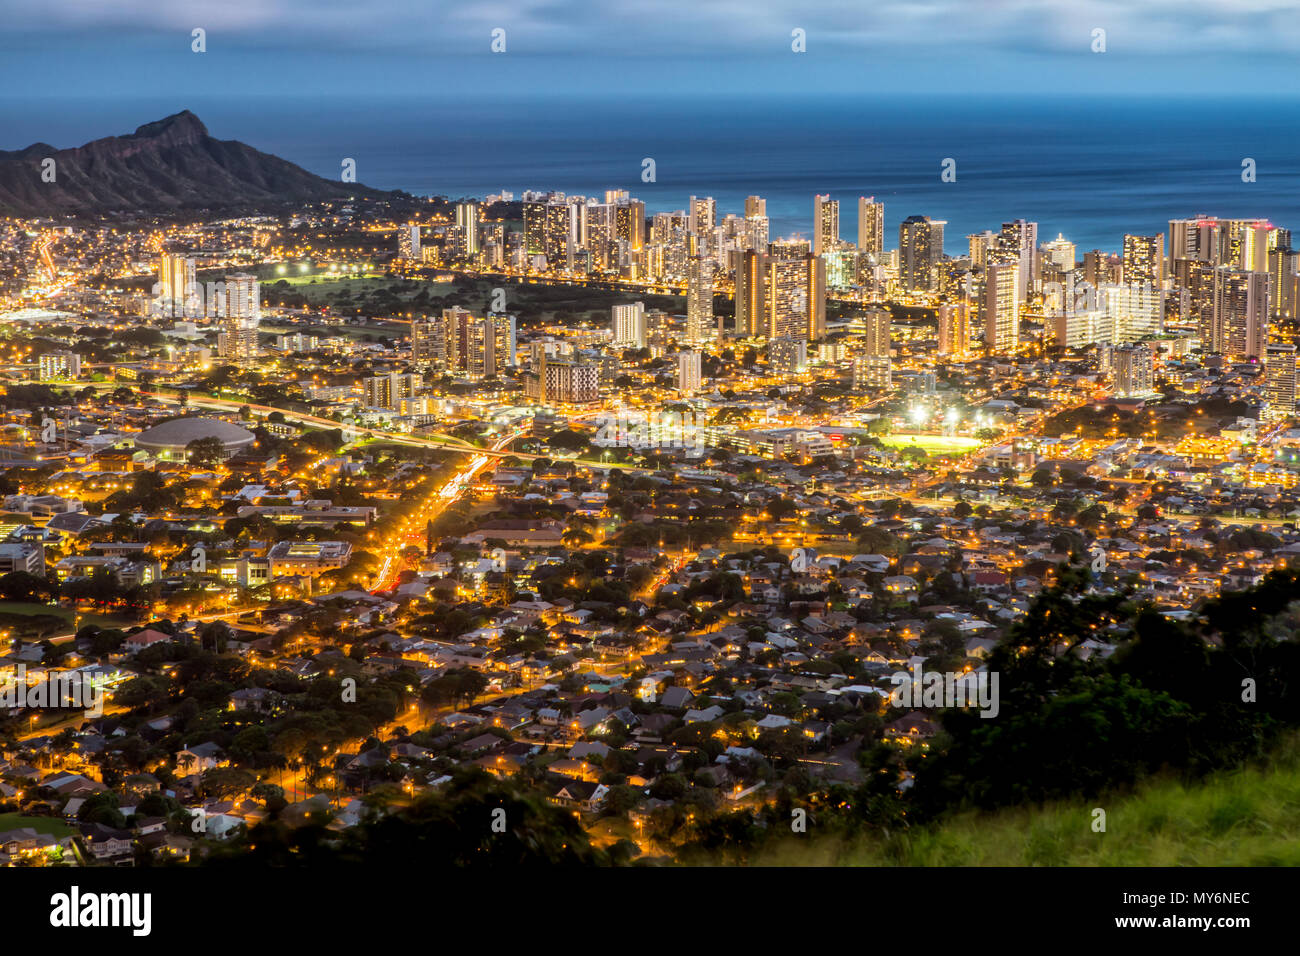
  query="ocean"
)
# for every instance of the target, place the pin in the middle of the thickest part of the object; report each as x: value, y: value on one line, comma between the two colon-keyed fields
x: 1091, y: 170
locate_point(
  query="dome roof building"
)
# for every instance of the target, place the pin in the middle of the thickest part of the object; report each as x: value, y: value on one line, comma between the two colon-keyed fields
x: 170, y: 439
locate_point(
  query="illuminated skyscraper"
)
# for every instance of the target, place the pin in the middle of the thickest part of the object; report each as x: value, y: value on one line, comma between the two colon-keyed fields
x: 629, y: 223
x: 826, y: 224
x: 560, y: 235
x: 408, y: 242
x: 1196, y: 238
x: 875, y: 368
x: 387, y: 391
x: 954, y: 327
x: 781, y: 294
x: 1019, y: 241
x: 1144, y: 260
x: 535, y: 228
x: 1280, y: 380
x: 1000, y: 306
x: 629, y: 325
x: 700, y: 326
x: 239, y: 313
x: 178, y: 290
x: 703, y: 214
x: 689, y: 372
x: 457, y: 343
x: 467, y: 223
x: 920, y: 248
x: 1059, y: 252
x: 430, y: 343
x: 1133, y: 369
x: 871, y: 226
x: 1239, y: 319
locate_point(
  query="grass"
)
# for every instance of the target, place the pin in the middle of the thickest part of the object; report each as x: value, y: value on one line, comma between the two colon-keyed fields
x: 368, y: 280
x: 932, y: 444
x: 55, y: 828
x: 1249, y: 817
x: 29, y: 609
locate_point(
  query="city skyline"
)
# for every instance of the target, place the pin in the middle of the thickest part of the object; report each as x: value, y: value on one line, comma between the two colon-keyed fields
x: 539, y: 436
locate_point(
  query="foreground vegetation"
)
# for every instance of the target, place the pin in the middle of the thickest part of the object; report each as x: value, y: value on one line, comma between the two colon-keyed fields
x: 1247, y: 817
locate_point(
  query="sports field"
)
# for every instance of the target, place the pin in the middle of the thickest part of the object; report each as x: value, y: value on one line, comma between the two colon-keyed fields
x: 933, y: 444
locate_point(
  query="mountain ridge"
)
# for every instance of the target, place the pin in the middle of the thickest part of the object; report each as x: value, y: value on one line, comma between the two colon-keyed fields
x: 170, y: 164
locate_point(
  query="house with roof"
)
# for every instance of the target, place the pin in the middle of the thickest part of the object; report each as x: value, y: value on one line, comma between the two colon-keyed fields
x: 146, y: 638
x: 580, y: 795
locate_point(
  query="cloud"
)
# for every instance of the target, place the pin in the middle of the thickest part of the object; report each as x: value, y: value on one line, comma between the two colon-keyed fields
x: 667, y: 28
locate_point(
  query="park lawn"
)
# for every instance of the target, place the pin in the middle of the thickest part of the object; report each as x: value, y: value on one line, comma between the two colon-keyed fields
x: 49, y: 825
x: 31, y: 608
x: 321, y: 278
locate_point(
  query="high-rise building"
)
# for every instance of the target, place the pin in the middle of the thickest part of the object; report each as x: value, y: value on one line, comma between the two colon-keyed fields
x: 408, y: 242
x: 1242, y: 244
x: 1138, y: 310
x: 1246, y: 243
x: 535, y: 228
x: 1280, y: 380
x: 560, y: 239
x: 388, y: 391
x: 781, y: 294
x: 458, y: 343
x: 1144, y: 260
x: 1239, y: 318
x: 703, y: 213
x: 629, y: 223
x: 467, y: 223
x: 1059, y: 252
x: 1100, y: 268
x: 178, y: 290
x: 1000, y: 306
x: 871, y: 226
x: 788, y: 358
x: 700, y: 327
x: 875, y: 370
x: 490, y: 346
x: 920, y: 248
x: 1019, y: 241
x: 239, y: 313
x: 628, y: 322
x: 954, y: 327
x: 979, y: 245
x: 564, y: 382
x: 1196, y: 238
x: 1133, y: 368
x: 1281, y: 271
x: 430, y: 344
x: 755, y: 206
x: 59, y: 366
x: 826, y: 224
x: 689, y: 372
x: 1082, y: 328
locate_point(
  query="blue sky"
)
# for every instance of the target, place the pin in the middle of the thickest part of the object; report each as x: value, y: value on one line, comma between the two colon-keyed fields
x: 393, y: 48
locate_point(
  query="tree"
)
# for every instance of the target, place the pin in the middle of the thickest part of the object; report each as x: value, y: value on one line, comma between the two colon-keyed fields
x: 205, y: 452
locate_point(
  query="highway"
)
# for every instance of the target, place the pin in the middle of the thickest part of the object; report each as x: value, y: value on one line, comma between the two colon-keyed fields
x: 411, y: 529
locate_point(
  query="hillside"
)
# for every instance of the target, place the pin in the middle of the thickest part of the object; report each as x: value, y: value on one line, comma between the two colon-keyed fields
x: 1243, y: 818
x: 170, y: 164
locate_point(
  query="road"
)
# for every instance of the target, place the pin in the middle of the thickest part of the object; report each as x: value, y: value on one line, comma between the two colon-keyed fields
x: 411, y: 529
